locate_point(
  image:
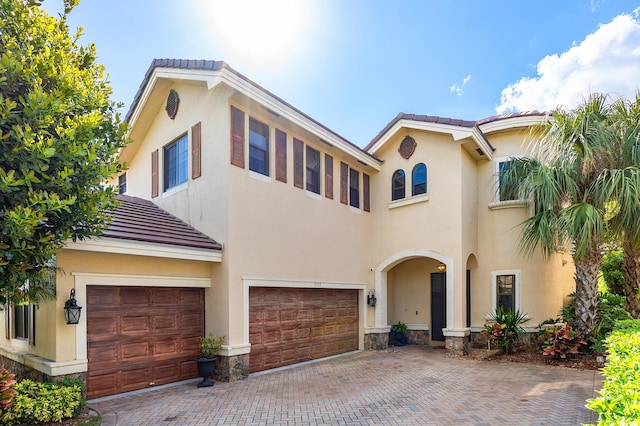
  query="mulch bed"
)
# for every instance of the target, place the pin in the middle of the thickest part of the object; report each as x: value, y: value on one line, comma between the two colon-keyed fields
x: 532, y: 355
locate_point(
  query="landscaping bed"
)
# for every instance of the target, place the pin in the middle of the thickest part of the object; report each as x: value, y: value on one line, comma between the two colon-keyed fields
x: 533, y: 355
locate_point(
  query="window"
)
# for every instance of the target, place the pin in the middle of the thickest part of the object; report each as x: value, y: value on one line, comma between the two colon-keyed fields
x: 354, y: 188
x: 122, y: 183
x: 313, y: 170
x: 504, y: 193
x: 258, y: 147
x: 21, y: 321
x: 176, y: 162
x: 398, y: 185
x: 505, y: 289
x: 419, y: 179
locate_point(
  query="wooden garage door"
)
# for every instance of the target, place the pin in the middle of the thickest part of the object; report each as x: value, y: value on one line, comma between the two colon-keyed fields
x: 291, y: 325
x: 139, y: 337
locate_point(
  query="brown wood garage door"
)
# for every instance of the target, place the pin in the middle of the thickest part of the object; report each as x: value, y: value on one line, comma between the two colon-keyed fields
x: 291, y: 325
x: 139, y: 337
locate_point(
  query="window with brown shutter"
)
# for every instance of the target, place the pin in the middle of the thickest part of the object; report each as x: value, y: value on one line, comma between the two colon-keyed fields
x: 344, y: 183
x: 354, y: 188
x: 281, y: 156
x: 328, y: 176
x: 154, y: 174
x: 298, y: 163
x: 366, y: 202
x: 196, y: 147
x: 237, y: 137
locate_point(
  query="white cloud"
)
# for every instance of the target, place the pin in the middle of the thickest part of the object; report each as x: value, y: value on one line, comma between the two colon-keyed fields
x: 607, y: 61
x: 459, y: 90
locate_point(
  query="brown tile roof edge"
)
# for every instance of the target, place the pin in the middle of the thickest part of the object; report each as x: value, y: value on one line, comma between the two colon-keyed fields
x: 200, y: 64
x: 451, y: 121
x: 141, y: 220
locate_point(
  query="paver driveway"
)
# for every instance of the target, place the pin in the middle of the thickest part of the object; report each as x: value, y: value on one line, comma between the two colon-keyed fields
x: 411, y: 385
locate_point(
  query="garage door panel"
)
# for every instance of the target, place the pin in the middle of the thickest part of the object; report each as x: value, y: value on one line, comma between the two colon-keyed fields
x: 288, y: 325
x: 135, y: 325
x: 140, y: 337
x: 102, y: 328
x: 131, y: 296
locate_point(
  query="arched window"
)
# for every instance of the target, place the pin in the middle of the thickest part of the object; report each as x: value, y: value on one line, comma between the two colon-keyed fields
x: 419, y: 179
x: 398, y: 185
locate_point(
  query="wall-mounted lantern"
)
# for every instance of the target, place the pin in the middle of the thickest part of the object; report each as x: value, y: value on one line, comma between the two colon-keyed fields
x: 442, y: 267
x: 371, y: 298
x: 71, y: 309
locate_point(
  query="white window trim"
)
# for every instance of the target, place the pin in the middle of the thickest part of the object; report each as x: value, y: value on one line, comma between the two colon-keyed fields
x: 494, y: 287
x: 408, y: 201
x: 259, y: 176
x: 496, y: 204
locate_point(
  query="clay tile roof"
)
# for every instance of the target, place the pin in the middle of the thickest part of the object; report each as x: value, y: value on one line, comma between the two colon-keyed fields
x: 216, y: 66
x: 141, y: 220
x: 510, y: 115
x: 419, y: 117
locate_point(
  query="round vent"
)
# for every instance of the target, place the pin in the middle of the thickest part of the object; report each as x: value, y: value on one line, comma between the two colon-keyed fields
x: 407, y: 147
x: 172, y: 104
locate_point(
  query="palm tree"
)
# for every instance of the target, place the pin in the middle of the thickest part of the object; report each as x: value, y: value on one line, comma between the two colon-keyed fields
x: 560, y: 177
x: 622, y: 184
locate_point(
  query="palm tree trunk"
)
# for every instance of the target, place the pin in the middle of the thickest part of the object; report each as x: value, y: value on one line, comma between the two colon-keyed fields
x: 586, y: 278
x: 631, y: 271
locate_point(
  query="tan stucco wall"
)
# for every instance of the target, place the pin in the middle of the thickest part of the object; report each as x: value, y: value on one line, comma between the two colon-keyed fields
x: 409, y: 292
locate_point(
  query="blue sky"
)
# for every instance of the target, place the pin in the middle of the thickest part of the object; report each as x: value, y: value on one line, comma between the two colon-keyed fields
x: 354, y: 64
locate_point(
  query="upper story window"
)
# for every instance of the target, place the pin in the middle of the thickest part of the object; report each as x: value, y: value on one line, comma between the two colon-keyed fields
x: 313, y: 170
x: 176, y: 162
x: 354, y: 188
x: 419, y: 179
x: 122, y: 183
x: 505, y: 193
x: 398, y: 185
x: 258, y: 147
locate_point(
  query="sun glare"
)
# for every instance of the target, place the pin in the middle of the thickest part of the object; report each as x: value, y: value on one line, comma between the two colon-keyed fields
x: 259, y: 32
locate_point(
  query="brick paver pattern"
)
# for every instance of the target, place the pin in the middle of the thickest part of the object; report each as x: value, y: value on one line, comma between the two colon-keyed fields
x: 406, y: 386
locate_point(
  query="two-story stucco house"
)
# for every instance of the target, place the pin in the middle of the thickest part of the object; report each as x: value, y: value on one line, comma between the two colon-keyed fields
x: 245, y: 217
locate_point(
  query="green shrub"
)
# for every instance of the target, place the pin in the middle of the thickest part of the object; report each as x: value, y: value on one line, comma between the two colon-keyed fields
x: 562, y: 341
x: 399, y: 327
x: 611, y: 308
x: 506, y: 328
x: 619, y: 402
x: 612, y: 271
x: 38, y: 402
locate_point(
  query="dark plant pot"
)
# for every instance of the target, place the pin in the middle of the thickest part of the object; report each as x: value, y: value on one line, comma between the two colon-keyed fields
x: 400, y: 338
x: 206, y: 367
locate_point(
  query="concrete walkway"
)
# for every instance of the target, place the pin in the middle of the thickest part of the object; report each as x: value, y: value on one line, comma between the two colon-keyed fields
x: 411, y: 385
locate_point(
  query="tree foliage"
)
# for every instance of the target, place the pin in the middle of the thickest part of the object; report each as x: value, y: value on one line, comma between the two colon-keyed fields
x: 59, y: 135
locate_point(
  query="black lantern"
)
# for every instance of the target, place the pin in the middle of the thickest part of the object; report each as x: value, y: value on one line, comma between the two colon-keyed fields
x: 71, y: 309
x: 371, y: 298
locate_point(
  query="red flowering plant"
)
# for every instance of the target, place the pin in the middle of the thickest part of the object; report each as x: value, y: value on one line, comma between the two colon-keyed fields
x: 561, y: 342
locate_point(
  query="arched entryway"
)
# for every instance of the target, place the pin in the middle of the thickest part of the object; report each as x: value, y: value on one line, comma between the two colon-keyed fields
x: 413, y: 287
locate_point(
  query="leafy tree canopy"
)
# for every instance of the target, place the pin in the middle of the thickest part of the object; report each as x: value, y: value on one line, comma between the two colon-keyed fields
x: 59, y: 136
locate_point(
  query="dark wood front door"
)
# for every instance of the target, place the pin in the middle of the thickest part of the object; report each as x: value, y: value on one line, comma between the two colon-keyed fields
x: 140, y: 336
x: 291, y: 325
x: 438, y: 305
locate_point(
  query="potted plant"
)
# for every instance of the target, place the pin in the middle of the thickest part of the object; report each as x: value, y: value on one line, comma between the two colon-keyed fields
x: 209, y: 349
x: 399, y: 333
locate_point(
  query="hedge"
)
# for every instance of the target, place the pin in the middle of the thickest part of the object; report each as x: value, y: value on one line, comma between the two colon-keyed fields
x: 619, y: 400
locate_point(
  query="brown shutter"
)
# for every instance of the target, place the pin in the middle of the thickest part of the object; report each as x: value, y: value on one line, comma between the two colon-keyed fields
x: 328, y: 176
x: 154, y: 174
x: 7, y: 321
x: 237, y: 137
x: 365, y: 193
x: 298, y: 163
x: 344, y: 183
x: 281, y: 156
x: 196, y: 149
x: 31, y: 313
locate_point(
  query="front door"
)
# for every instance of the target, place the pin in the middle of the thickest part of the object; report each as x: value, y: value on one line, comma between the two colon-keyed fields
x: 438, y: 305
